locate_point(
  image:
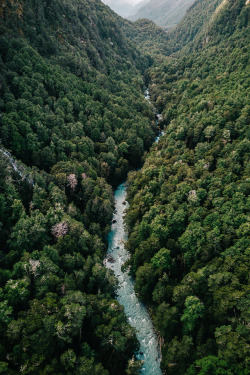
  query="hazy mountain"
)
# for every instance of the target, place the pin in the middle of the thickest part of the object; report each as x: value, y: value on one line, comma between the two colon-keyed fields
x: 165, y: 13
x: 125, y: 8
x: 139, y: 5
x: 122, y: 7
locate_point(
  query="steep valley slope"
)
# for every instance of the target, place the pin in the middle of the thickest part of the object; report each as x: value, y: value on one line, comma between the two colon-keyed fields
x: 188, y: 217
x: 73, y: 112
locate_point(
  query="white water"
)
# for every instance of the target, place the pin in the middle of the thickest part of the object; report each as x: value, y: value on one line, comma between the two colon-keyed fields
x: 136, y: 312
x: 158, y: 117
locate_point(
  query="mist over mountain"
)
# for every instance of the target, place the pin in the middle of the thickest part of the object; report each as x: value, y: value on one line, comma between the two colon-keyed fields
x: 125, y: 8
x: 121, y: 7
x: 165, y: 13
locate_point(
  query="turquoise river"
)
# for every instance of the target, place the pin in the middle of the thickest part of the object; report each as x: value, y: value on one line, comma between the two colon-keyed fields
x: 137, y: 313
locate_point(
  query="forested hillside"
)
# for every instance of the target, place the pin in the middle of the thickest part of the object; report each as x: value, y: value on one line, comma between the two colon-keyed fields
x: 190, y: 34
x: 63, y: 68
x: 193, y: 28
x: 151, y: 39
x: 72, y: 107
x: 188, y: 218
x: 74, y: 115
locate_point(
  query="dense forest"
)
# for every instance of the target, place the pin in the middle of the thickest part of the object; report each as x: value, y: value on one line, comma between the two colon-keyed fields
x: 152, y: 39
x: 73, y: 112
x: 188, y: 217
x: 74, y: 117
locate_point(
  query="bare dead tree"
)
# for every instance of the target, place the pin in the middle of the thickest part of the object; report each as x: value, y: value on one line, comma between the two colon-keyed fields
x: 60, y: 229
x: 72, y: 181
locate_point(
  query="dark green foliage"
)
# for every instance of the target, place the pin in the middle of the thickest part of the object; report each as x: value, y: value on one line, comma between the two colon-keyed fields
x: 73, y: 112
x: 152, y: 39
x: 190, y: 201
x: 72, y: 108
x: 78, y: 100
x: 58, y: 314
x: 196, y: 23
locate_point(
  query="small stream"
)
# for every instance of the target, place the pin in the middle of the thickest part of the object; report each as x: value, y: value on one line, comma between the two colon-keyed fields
x: 136, y: 311
x: 11, y: 160
x: 20, y: 169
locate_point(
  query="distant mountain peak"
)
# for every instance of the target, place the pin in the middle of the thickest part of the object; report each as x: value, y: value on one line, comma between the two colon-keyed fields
x: 122, y: 7
x: 165, y: 13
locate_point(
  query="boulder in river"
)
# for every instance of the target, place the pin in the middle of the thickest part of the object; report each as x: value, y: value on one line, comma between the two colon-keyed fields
x: 110, y: 259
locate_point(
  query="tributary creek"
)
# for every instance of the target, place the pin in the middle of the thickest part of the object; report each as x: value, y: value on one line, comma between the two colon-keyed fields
x: 136, y: 312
